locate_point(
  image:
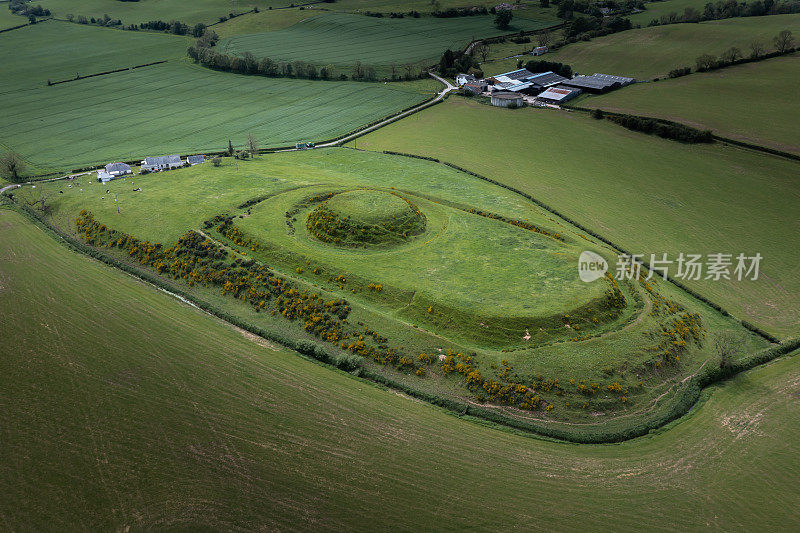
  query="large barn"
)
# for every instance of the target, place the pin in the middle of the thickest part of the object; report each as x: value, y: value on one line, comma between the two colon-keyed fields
x: 598, y: 83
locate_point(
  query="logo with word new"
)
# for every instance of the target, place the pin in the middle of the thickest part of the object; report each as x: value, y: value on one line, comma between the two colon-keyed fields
x: 591, y: 266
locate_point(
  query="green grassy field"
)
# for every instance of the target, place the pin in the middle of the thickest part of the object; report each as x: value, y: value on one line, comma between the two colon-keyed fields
x: 342, y: 39
x: 172, y: 107
x: 8, y: 19
x: 205, y: 11
x: 653, y: 52
x: 264, y: 21
x: 723, y: 101
x: 57, y: 51
x: 471, y: 283
x: 125, y: 408
x: 655, y: 10
x: 646, y: 194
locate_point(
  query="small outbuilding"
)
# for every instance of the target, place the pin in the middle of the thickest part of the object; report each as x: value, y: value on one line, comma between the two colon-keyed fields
x: 118, y: 169
x: 103, y: 176
x: 476, y: 87
x: 164, y: 162
x: 539, y: 50
x: 195, y: 159
x: 557, y: 95
x: 507, y: 99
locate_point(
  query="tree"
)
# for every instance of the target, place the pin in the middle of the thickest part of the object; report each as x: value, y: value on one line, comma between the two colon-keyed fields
x: 543, y: 38
x: 12, y: 167
x: 231, y: 151
x: 731, y: 54
x: 756, y: 49
x: 705, y: 62
x: 728, y: 345
x: 482, y: 49
x: 252, y: 144
x: 544, y: 3
x: 503, y: 19
x: 784, y: 41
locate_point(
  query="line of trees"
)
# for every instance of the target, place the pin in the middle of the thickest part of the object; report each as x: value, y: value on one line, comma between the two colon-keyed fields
x: 675, y: 132
x: 784, y: 44
x: 729, y: 9
x: 202, y: 52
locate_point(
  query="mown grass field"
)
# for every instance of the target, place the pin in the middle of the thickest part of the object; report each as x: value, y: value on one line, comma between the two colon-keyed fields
x: 172, y: 107
x: 652, y: 52
x: 54, y: 50
x: 8, y: 19
x: 342, y: 39
x: 727, y: 101
x: 205, y: 11
x: 125, y: 408
x: 646, y: 194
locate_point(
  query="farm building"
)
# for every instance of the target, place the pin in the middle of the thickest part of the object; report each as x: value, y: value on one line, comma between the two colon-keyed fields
x: 476, y: 87
x: 557, y: 95
x: 539, y: 50
x: 506, y: 99
x: 461, y: 79
x: 195, y: 159
x: 598, y: 83
x: 118, y: 169
x: 524, y: 81
x: 104, y: 176
x: 164, y: 162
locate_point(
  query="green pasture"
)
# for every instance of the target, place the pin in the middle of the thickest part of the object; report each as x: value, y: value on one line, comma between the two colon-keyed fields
x: 264, y: 21
x: 171, y: 107
x: 342, y: 39
x: 652, y: 52
x: 655, y: 10
x: 150, y: 414
x: 647, y: 194
x: 462, y: 260
x: 8, y: 19
x: 188, y: 12
x: 54, y: 50
x: 730, y: 102
x: 468, y: 282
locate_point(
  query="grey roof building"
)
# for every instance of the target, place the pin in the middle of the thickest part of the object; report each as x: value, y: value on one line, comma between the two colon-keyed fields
x: 598, y: 83
x: 195, y: 159
x: 164, y: 162
x: 118, y: 169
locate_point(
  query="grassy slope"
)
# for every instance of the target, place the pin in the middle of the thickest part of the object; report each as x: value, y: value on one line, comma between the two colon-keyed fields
x: 342, y: 39
x: 8, y: 19
x: 268, y: 20
x: 755, y: 102
x: 173, y: 107
x: 651, y: 52
x: 647, y: 194
x: 58, y: 50
x: 151, y: 415
x: 188, y: 12
x: 655, y: 10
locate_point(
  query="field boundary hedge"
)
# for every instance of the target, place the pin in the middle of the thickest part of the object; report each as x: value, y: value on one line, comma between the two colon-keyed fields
x: 685, y: 398
x: 727, y: 140
x: 76, y: 78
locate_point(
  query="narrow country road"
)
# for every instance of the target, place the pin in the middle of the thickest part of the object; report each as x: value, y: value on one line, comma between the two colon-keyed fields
x: 439, y: 96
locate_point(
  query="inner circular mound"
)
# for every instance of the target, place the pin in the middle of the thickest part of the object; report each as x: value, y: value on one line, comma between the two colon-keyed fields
x: 365, y: 218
